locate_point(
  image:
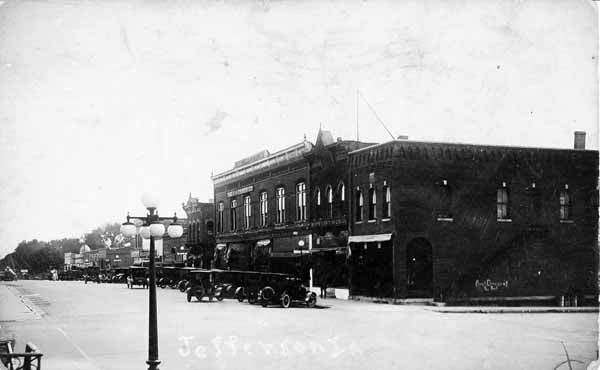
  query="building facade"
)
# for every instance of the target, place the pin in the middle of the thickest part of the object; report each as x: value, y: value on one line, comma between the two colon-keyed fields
x: 262, y: 214
x: 199, y: 234
x: 455, y: 222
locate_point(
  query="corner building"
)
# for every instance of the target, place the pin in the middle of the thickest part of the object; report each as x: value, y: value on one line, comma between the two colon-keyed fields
x: 473, y: 223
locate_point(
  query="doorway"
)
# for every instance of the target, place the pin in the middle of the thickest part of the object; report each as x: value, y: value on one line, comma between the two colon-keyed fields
x: 419, y: 268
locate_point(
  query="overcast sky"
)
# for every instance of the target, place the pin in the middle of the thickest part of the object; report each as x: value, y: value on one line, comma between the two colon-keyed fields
x: 103, y: 100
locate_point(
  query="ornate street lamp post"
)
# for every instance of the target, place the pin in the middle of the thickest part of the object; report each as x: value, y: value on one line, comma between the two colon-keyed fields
x: 152, y: 229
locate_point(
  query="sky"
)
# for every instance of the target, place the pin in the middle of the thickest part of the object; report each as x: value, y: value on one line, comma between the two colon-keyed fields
x: 101, y: 101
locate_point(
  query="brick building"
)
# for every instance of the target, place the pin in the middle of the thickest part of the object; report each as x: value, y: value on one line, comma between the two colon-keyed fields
x: 198, y: 234
x: 457, y: 222
x: 261, y: 212
x: 407, y: 219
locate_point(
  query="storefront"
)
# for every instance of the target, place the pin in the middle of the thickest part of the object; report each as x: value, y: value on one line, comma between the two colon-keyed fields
x: 370, y: 265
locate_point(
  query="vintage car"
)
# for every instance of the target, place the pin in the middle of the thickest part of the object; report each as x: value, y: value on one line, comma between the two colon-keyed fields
x: 183, y: 278
x: 202, y: 284
x: 228, y: 281
x: 253, y: 282
x: 137, y: 276
x: 283, y: 290
x: 250, y: 284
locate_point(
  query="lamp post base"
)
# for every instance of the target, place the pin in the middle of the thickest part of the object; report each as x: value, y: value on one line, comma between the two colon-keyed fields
x: 153, y: 364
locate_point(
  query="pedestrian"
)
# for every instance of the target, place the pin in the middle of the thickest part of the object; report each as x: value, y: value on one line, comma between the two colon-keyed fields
x: 324, y: 288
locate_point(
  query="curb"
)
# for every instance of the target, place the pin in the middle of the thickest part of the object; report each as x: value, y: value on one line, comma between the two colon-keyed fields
x: 515, y: 310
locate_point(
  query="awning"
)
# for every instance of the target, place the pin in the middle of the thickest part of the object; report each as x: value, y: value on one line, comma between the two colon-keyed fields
x: 262, y: 243
x: 369, y: 238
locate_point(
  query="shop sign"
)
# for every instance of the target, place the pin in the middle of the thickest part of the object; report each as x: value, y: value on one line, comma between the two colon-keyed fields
x: 490, y: 286
x: 245, y: 189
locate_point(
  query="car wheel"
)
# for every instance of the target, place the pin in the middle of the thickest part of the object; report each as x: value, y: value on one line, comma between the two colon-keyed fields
x: 286, y: 300
x: 182, y: 286
x: 189, y: 297
x: 264, y: 303
x: 240, y: 298
x: 312, y: 301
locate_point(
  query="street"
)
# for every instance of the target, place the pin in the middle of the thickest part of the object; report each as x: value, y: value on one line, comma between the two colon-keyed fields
x: 104, y: 326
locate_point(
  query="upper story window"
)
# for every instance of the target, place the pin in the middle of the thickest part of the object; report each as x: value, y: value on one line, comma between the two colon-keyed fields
x: 502, y: 203
x: 342, y: 197
x: 220, y: 217
x: 565, y: 204
x: 247, y: 211
x: 359, y: 205
x: 342, y: 192
x: 210, y: 227
x: 233, y: 215
x: 445, y: 193
x: 280, y: 195
x: 387, y: 212
x: 329, y: 196
x: 263, y: 208
x: 372, y: 204
x: 300, y: 201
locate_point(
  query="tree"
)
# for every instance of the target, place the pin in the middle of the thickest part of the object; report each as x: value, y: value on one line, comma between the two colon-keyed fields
x: 107, y: 236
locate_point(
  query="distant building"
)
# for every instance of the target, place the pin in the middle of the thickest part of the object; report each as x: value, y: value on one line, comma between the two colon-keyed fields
x: 198, y: 236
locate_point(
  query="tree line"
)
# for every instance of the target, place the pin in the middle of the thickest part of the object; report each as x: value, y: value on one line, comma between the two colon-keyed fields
x: 40, y: 256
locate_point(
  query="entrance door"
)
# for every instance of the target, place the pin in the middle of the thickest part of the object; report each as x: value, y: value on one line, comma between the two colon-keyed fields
x: 419, y: 266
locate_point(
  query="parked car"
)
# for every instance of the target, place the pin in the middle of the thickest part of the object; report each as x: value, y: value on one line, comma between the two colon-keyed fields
x: 137, y: 276
x: 202, y: 284
x: 170, y: 277
x: 254, y: 282
x: 284, y: 290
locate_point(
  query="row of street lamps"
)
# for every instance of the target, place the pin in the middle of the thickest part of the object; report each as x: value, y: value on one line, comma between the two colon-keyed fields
x: 152, y: 228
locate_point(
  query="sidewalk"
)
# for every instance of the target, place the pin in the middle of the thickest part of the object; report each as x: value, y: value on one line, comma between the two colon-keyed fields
x: 497, y: 309
x: 331, y: 302
x: 12, y: 307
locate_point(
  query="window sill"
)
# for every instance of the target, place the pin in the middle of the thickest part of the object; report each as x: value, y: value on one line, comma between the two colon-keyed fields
x: 504, y: 219
x: 358, y: 222
x: 445, y: 219
x: 371, y: 221
x: 567, y: 221
x: 386, y: 219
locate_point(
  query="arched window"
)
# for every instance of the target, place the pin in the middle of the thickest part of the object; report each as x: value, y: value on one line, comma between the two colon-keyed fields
x: 372, y: 204
x: 342, y: 192
x: 301, y: 201
x: 502, y: 203
x: 359, y: 205
x: 280, y: 194
x: 329, y: 195
x: 342, y: 197
x: 263, y: 208
x: 247, y: 211
x: 565, y: 204
x: 221, y: 218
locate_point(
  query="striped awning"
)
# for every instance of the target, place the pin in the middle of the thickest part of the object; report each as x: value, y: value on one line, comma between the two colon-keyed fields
x: 369, y: 238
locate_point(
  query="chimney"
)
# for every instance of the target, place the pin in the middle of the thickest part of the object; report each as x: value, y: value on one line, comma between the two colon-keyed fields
x: 579, y: 140
x: 339, y: 139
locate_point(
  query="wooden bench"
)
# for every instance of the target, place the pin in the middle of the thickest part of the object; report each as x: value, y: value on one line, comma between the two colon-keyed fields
x: 31, y: 359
